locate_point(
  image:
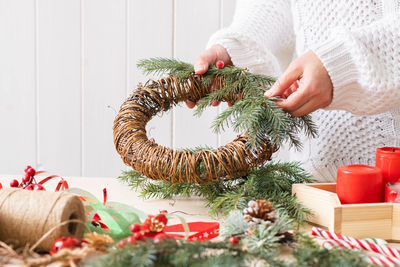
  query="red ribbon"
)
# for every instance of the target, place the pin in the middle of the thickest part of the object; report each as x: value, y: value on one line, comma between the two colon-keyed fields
x: 204, y: 230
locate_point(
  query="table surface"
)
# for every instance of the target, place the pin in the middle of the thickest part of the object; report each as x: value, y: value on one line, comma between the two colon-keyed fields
x: 192, y: 209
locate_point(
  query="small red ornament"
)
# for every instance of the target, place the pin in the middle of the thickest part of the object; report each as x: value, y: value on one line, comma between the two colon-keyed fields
x: 30, y: 171
x: 163, y: 211
x: 35, y: 187
x: 134, y: 228
x: 27, y: 179
x: 160, y: 237
x: 137, y: 236
x: 65, y: 242
x: 155, y: 224
x: 162, y: 218
x: 14, y: 183
x: 220, y: 64
x: 121, y: 243
x: 234, y: 240
x: 27, y: 168
x: 131, y: 239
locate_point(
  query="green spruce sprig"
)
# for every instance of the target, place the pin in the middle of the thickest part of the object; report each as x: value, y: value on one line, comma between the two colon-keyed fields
x: 271, y: 182
x: 259, y: 117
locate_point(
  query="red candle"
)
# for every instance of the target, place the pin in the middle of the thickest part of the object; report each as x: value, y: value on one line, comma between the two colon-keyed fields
x: 388, y: 160
x: 359, y: 184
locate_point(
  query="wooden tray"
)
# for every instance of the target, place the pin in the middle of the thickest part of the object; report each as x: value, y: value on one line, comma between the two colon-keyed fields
x: 380, y: 220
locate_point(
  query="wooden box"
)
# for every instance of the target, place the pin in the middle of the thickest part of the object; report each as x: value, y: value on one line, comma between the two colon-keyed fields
x: 380, y: 220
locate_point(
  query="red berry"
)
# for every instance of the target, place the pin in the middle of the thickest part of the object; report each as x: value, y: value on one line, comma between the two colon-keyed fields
x: 161, y: 237
x: 121, y: 243
x: 131, y: 240
x: 234, y: 240
x: 134, y: 228
x: 27, y: 179
x: 27, y: 167
x: 137, y: 236
x: 163, y: 211
x: 35, y: 187
x: 220, y: 64
x: 14, y: 183
x: 30, y: 171
x: 65, y: 242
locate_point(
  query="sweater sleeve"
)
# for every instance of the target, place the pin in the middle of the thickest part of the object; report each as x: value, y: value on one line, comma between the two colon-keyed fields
x: 261, y: 36
x: 364, y: 66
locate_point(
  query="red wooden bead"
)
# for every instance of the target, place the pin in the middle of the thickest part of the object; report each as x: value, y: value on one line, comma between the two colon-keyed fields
x: 30, y: 171
x: 14, y: 183
x: 65, y: 242
x: 35, y: 187
x: 131, y: 240
x: 160, y: 237
x: 234, y: 240
x: 220, y: 64
x: 27, y: 167
x: 121, y: 243
x: 27, y: 179
x: 134, y: 228
x: 137, y: 236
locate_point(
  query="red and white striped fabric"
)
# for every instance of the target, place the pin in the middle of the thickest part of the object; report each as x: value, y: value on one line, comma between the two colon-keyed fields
x: 381, y: 260
x: 381, y: 249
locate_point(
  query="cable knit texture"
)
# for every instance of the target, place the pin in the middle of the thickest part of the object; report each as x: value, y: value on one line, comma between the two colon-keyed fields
x: 358, y: 42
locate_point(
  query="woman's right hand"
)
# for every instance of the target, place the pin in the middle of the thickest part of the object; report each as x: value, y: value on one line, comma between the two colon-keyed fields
x: 210, y: 57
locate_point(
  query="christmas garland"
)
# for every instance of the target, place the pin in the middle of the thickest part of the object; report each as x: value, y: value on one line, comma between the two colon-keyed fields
x: 253, y: 237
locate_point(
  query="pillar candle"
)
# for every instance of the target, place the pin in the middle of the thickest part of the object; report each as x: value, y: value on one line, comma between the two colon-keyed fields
x: 388, y: 160
x: 359, y: 184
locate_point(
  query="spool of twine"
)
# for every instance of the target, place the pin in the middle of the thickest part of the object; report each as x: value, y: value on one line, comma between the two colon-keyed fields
x: 25, y: 216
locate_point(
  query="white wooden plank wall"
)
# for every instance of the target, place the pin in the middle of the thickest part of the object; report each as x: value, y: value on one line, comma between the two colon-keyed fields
x: 67, y: 65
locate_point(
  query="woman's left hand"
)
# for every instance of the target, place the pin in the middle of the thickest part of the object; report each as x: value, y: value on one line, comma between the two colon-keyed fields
x: 304, y: 87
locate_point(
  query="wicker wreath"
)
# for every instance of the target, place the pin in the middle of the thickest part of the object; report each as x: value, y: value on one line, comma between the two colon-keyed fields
x: 162, y: 163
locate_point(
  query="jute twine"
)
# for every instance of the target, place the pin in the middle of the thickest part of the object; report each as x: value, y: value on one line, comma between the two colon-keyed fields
x: 26, y: 216
x: 163, y: 163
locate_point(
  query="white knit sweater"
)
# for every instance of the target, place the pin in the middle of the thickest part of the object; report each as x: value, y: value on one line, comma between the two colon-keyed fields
x: 358, y: 41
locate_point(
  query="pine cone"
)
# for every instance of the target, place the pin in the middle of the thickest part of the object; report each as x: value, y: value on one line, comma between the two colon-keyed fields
x: 259, y: 211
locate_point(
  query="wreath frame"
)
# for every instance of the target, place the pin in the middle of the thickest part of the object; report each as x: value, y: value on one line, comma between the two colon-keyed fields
x: 158, y: 162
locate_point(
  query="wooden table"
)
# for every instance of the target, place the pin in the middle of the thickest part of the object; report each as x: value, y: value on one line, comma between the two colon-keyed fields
x: 193, y: 209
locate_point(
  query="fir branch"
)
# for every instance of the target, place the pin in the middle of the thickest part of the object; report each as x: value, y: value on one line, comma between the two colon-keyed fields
x: 134, y: 179
x: 256, y: 115
x: 160, y: 66
x: 176, y: 253
x: 259, y: 249
x: 271, y: 182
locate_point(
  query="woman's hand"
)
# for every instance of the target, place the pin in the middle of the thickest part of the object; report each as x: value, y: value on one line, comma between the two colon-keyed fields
x: 210, y: 57
x: 305, y: 86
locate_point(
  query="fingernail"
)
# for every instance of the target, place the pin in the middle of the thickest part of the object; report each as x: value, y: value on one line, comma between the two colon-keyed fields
x: 198, y: 68
x: 267, y: 93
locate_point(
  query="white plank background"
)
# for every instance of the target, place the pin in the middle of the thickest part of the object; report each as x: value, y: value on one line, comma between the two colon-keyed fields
x: 67, y: 65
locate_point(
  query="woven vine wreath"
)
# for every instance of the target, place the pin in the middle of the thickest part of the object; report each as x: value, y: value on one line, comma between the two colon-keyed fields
x: 185, y: 166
